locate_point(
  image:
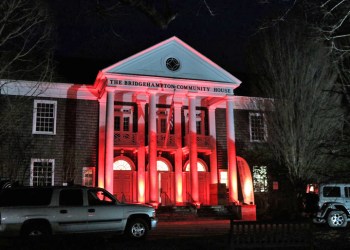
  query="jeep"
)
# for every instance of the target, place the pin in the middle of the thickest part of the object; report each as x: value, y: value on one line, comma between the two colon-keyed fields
x: 334, y: 205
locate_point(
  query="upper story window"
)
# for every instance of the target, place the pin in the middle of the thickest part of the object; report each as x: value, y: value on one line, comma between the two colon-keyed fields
x: 42, y: 172
x: 44, y: 117
x: 257, y: 127
x: 200, y: 122
x: 164, y: 121
x: 122, y: 119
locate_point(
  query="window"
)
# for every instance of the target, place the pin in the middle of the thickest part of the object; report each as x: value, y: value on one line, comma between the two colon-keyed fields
x: 257, y: 127
x: 331, y: 191
x: 44, y: 117
x: 200, y: 167
x: 88, y: 176
x: 121, y: 165
x: 163, y: 125
x: 42, y: 172
x: 100, y: 197
x: 347, y: 191
x: 117, y: 123
x: 162, y: 166
x: 223, y: 176
x: 199, y: 127
x: 25, y: 197
x: 123, y: 119
x: 126, y: 124
x: 71, y: 197
x: 260, y: 179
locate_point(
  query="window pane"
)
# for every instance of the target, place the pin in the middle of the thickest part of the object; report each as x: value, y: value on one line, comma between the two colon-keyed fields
x: 126, y: 123
x: 257, y: 127
x: 45, y: 117
x: 71, y: 197
x: 199, y: 127
x: 117, y: 123
x: 42, y: 173
x: 163, y: 125
x: 331, y: 191
x: 260, y: 178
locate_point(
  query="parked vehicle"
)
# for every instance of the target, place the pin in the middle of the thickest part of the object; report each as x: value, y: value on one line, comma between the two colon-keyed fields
x: 334, y: 205
x: 42, y: 211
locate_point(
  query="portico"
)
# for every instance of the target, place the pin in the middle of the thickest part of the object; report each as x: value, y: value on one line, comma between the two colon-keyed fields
x: 158, y: 113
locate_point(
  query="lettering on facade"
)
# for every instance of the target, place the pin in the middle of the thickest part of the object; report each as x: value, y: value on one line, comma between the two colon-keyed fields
x: 170, y: 86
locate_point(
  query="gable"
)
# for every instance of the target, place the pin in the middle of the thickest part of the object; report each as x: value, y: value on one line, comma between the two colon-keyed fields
x: 172, y: 58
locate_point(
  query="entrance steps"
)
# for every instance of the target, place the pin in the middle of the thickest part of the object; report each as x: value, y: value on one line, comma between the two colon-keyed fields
x: 178, y: 213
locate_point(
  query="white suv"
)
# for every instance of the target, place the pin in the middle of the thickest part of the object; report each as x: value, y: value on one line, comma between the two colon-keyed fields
x: 334, y: 204
x: 33, y: 212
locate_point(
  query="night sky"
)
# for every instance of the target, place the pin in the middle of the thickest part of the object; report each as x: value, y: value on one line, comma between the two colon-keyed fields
x: 89, y: 37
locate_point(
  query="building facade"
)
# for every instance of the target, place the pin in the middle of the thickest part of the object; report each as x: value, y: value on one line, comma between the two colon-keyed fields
x: 160, y: 127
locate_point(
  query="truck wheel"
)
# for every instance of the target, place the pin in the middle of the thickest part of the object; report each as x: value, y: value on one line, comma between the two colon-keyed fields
x: 33, y: 230
x: 337, y: 218
x: 137, y: 229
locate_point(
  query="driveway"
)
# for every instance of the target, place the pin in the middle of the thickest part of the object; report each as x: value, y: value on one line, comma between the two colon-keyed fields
x: 195, y: 234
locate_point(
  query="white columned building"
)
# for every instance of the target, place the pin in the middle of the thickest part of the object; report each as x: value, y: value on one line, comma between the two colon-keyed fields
x: 157, y: 127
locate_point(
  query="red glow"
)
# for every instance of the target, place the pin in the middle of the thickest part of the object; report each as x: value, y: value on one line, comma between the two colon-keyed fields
x: 246, y: 181
x: 179, y: 188
x: 141, y: 186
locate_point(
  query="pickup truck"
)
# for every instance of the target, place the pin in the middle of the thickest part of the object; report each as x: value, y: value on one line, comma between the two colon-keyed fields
x: 42, y: 211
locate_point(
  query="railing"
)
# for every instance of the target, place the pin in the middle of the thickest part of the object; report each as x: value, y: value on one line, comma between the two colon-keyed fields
x: 170, y: 141
x: 203, y: 141
x: 125, y: 138
x: 267, y: 235
x: 167, y: 200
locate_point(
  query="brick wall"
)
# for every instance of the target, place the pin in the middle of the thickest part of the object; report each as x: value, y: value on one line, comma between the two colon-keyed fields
x: 74, y: 145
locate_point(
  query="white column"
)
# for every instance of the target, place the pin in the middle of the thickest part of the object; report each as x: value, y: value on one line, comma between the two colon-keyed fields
x: 213, y: 155
x: 141, y: 152
x: 101, y: 142
x: 178, y: 154
x: 231, y: 151
x: 109, y: 140
x: 193, y: 148
x: 152, y: 146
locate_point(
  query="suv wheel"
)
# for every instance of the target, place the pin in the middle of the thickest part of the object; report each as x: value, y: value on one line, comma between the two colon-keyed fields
x: 137, y: 229
x: 337, y: 218
x: 35, y: 230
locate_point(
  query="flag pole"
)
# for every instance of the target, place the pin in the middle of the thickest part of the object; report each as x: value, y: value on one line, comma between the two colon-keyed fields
x: 169, y: 123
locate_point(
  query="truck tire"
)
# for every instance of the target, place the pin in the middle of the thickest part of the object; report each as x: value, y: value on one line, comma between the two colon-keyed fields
x: 35, y: 230
x: 137, y: 229
x: 337, y: 218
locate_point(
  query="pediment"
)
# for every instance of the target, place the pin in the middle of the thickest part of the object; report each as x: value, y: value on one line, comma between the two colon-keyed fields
x: 172, y: 58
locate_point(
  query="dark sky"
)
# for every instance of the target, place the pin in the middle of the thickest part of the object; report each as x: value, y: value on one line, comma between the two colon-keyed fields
x: 89, y: 37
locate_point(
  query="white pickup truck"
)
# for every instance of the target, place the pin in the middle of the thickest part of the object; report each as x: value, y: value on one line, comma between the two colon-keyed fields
x: 43, y: 211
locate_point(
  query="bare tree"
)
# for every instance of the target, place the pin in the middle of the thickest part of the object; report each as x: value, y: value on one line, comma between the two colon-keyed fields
x: 24, y: 38
x: 299, y: 74
x: 329, y: 21
x: 25, y: 54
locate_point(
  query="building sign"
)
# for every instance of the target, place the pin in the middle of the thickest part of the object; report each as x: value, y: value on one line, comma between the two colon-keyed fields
x: 171, y: 86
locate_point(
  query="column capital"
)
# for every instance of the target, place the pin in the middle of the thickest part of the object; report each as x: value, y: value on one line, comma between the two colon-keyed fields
x: 110, y: 89
x: 212, y: 108
x: 229, y: 98
x: 191, y: 95
x: 152, y: 91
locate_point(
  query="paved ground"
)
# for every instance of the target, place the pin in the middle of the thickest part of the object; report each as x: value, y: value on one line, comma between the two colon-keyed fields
x: 191, y: 235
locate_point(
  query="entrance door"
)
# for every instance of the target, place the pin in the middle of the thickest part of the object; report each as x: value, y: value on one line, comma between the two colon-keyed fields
x: 203, y: 186
x: 123, y: 185
x: 166, y: 192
